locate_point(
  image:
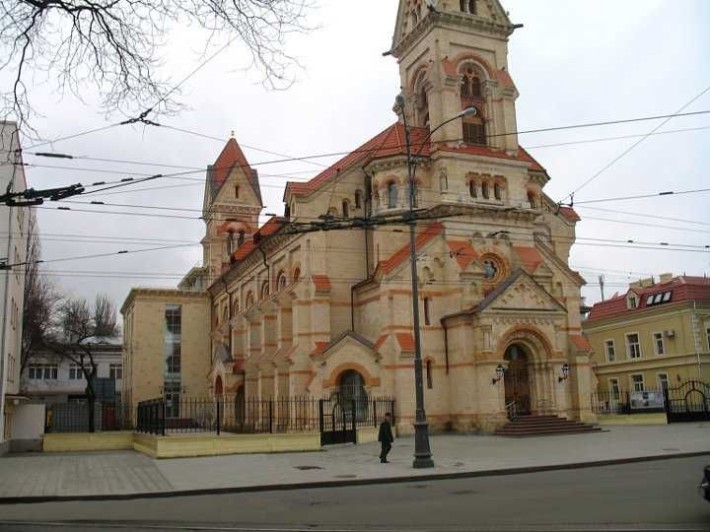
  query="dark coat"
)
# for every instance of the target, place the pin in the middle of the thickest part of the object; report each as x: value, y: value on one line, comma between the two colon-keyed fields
x: 385, y: 434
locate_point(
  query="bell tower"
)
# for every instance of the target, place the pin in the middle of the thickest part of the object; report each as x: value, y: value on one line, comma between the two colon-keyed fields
x: 453, y: 54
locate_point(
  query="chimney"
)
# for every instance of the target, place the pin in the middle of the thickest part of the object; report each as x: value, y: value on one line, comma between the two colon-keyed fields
x: 666, y: 278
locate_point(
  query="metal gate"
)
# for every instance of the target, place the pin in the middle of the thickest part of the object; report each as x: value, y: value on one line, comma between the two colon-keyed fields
x: 337, y: 421
x: 688, y: 402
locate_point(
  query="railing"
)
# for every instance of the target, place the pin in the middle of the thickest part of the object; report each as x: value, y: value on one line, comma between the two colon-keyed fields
x: 74, y: 416
x: 512, y: 409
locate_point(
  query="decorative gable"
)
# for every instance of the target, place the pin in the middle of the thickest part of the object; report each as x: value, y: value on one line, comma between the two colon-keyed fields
x: 521, y: 292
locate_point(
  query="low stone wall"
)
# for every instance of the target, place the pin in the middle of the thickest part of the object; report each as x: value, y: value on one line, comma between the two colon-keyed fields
x: 85, y: 441
x: 192, y: 445
x: 367, y: 434
x: 633, y: 419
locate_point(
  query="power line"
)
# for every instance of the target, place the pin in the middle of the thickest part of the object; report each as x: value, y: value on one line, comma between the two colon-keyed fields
x: 667, y: 119
x: 643, y: 196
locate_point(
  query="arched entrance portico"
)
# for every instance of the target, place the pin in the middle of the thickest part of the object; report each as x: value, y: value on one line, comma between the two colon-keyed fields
x: 517, y: 380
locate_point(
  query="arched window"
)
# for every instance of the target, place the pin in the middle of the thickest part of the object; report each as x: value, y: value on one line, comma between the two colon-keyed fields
x: 240, y: 238
x: 473, y: 189
x: 427, y: 311
x: 497, y: 191
x: 485, y: 190
x: 429, y: 377
x: 236, y: 191
x: 358, y: 199
x: 230, y: 243
x: 281, y: 281
x: 474, y: 129
x: 392, y: 195
x: 264, y: 289
x: 235, y: 308
x: 249, y: 299
x: 468, y: 6
x: 296, y: 275
x: 346, y: 209
x: 476, y: 87
x: 465, y: 87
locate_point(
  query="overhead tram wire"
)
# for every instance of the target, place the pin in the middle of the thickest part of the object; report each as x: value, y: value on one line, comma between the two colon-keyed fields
x: 644, y: 196
x: 667, y: 119
x: 640, y: 215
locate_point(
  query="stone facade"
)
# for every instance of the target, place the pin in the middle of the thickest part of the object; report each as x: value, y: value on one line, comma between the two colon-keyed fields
x: 301, y: 312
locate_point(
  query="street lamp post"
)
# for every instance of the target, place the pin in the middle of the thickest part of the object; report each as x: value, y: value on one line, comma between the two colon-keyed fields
x: 422, y: 450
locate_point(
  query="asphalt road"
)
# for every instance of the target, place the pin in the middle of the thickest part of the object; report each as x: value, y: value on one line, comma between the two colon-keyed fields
x: 641, y: 496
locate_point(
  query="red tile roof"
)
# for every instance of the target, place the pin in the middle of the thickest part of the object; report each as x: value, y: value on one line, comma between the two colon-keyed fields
x: 231, y: 157
x: 529, y: 256
x: 462, y: 251
x: 683, y: 288
x: 406, y: 342
x: 392, y: 142
x: 380, y: 341
x: 570, y: 214
x: 320, y: 347
x: 321, y: 282
x: 269, y: 228
x: 403, y: 254
x: 581, y: 342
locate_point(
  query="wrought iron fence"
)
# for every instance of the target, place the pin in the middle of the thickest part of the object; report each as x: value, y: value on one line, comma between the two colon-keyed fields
x: 237, y: 414
x: 74, y: 416
x: 628, y: 402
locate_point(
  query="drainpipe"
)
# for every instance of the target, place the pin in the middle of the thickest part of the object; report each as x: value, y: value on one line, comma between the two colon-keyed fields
x: 446, y: 344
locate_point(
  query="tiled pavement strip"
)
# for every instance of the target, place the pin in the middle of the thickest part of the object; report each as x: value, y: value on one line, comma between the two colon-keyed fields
x: 130, y: 473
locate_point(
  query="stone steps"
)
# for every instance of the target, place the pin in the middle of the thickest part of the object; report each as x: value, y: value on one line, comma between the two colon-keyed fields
x: 547, y: 425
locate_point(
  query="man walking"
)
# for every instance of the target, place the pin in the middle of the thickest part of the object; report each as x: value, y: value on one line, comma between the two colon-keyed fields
x: 385, y: 437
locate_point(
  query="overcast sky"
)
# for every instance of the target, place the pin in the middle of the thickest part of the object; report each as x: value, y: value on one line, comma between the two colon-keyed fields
x: 573, y: 62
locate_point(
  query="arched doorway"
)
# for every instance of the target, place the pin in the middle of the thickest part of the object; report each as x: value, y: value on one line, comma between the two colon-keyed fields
x: 517, y: 380
x: 352, y: 390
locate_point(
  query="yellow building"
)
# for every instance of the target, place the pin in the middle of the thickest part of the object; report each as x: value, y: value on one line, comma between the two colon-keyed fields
x: 299, y: 311
x: 654, y: 336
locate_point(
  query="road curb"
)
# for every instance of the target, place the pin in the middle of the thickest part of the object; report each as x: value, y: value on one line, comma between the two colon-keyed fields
x: 346, y: 482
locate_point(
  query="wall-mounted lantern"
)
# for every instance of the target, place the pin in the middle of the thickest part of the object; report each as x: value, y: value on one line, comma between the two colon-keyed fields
x: 500, y: 371
x: 565, y: 373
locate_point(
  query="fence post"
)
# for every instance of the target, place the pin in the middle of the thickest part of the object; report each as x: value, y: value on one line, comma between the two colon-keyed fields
x: 219, y: 415
x: 353, y: 413
x: 162, y: 406
x: 271, y: 416
x: 320, y: 415
x: 374, y: 413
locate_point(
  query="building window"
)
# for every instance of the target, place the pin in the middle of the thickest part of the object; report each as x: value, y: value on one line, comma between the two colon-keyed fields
x: 663, y: 381
x: 427, y: 311
x: 707, y: 335
x: 236, y: 191
x: 610, y: 350
x: 43, y: 372
x: 172, y: 343
x: 240, y: 238
x: 249, y: 300
x: 485, y: 191
x: 468, y: 6
x: 392, y: 195
x: 115, y: 371
x: 296, y: 275
x: 658, y: 345
x: 346, y: 209
x: 230, y: 244
x: 632, y: 302
x: 264, y: 289
x: 281, y: 281
x: 474, y: 130
x: 637, y: 382
x: 614, y: 389
x: 497, y: 191
x: 429, y: 377
x: 633, y: 347
x: 75, y: 372
x: 473, y: 189
x: 358, y: 199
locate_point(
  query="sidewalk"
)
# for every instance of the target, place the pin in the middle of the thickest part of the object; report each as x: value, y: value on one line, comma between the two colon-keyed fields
x: 37, y: 477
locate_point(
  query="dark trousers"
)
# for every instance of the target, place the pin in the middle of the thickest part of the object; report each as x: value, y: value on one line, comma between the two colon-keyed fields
x: 386, y: 447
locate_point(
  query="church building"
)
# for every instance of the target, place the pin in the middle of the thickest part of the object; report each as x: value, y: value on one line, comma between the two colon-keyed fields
x: 287, y: 309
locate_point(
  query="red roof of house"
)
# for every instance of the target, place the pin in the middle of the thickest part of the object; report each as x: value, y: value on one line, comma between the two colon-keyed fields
x: 529, y: 256
x: 570, y: 214
x: 682, y: 288
x: 403, y: 254
x: 392, y: 142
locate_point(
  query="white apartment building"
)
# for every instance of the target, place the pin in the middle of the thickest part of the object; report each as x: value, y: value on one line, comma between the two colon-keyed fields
x: 14, y: 224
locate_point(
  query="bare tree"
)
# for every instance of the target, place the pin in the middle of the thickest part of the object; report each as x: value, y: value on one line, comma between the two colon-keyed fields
x: 114, y: 45
x: 41, y: 299
x: 72, y: 337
